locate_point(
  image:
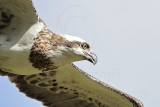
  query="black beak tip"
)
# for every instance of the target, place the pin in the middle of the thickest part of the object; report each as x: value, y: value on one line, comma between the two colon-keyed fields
x: 91, y: 57
x: 93, y: 60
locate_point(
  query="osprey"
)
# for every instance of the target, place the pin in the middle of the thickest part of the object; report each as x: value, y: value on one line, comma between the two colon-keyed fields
x: 39, y: 62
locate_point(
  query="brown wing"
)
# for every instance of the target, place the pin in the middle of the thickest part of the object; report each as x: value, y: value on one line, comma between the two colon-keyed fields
x: 68, y: 86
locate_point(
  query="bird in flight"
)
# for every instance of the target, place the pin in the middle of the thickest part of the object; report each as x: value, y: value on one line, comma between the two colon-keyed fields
x: 39, y: 62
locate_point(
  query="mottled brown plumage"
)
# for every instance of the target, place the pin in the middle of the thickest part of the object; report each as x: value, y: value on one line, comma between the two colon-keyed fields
x: 39, y: 62
x: 43, y: 44
x: 57, y: 94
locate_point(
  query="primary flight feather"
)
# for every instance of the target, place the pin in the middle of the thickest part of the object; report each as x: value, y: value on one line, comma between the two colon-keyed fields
x: 39, y: 62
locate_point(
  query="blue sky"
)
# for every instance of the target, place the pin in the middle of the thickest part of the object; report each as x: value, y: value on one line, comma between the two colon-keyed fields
x: 125, y: 36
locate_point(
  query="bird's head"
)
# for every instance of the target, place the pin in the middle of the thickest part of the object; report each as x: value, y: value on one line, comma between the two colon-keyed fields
x: 70, y: 49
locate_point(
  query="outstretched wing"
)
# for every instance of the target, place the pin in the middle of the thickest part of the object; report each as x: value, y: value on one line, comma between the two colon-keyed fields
x: 68, y: 86
x: 16, y: 17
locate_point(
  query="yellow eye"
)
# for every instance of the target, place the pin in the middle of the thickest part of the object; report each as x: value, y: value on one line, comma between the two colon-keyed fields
x: 85, y: 46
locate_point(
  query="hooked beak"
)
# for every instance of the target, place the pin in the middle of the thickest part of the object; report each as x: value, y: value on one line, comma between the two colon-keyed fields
x: 91, y: 57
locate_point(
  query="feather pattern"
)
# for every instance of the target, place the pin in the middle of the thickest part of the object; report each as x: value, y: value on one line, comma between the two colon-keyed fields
x: 23, y: 35
x: 71, y: 87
